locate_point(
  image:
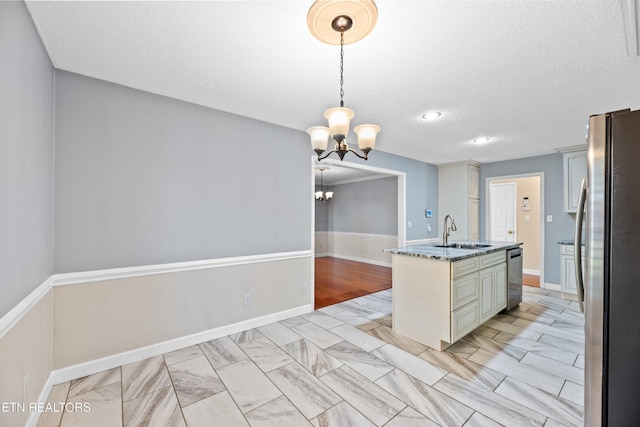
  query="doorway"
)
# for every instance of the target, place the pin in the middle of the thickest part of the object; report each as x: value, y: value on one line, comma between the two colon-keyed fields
x: 342, y: 255
x: 514, y: 210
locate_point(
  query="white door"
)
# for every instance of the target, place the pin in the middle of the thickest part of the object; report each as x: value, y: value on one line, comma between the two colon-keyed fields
x: 502, y: 198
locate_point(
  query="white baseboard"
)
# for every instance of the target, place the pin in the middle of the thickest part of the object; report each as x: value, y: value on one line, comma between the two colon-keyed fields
x: 113, y: 361
x: 34, y: 416
x: 530, y: 271
x: 321, y: 254
x: 551, y: 286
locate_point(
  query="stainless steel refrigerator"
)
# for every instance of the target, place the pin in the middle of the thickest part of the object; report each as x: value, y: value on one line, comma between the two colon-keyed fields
x: 611, y: 282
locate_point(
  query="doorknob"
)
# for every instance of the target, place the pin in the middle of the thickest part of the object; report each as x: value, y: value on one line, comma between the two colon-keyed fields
x: 510, y: 231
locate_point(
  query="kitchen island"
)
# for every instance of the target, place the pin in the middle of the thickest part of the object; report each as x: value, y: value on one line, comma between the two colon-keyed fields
x: 440, y: 294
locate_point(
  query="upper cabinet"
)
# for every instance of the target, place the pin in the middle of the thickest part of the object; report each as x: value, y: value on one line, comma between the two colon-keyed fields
x: 459, y: 196
x: 575, y: 169
x: 474, y: 181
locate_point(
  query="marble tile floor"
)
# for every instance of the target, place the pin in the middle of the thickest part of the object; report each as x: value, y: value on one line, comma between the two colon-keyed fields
x: 343, y: 366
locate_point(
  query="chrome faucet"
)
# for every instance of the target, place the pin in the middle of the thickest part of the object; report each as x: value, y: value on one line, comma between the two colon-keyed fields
x: 445, y: 234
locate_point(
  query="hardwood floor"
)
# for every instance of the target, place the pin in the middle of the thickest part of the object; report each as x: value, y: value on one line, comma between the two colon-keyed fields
x: 531, y: 280
x: 339, y: 280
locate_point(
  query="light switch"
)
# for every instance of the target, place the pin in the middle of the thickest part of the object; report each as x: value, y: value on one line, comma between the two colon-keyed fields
x: 409, y: 224
x: 527, y: 218
x: 549, y: 218
x: 429, y: 227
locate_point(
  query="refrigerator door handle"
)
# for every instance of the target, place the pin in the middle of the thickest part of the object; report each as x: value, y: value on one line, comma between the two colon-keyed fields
x: 577, y: 253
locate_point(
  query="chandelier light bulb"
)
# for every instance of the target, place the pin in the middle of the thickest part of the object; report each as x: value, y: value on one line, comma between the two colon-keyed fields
x: 319, y: 137
x: 339, y: 119
x: 366, y: 136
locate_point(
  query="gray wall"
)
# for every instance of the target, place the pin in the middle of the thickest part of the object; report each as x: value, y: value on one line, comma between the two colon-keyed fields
x: 369, y: 207
x: 144, y: 179
x: 422, y: 189
x: 563, y: 224
x: 322, y: 212
x: 26, y: 156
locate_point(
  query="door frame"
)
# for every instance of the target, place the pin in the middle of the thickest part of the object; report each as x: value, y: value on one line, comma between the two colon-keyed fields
x: 514, y: 184
x: 402, y: 206
x: 542, y: 210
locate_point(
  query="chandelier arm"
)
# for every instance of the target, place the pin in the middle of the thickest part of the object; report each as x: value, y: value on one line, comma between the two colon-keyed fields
x: 326, y: 155
x: 365, y: 157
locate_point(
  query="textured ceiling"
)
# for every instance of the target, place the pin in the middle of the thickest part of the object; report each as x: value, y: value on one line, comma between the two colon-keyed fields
x: 525, y: 73
x: 335, y: 173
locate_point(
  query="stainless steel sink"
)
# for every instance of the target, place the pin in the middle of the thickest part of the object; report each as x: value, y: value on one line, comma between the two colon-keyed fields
x: 472, y: 245
x: 464, y: 245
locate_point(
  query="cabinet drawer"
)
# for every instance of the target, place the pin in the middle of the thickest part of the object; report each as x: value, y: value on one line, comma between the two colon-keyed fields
x: 492, y: 259
x: 464, y: 290
x: 464, y: 320
x: 465, y: 266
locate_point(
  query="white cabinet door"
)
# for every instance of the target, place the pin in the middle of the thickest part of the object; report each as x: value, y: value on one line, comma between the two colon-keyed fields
x: 464, y: 320
x: 458, y: 184
x: 500, y: 287
x: 569, y: 282
x: 474, y: 182
x: 474, y: 219
x: 486, y: 294
x: 575, y: 169
x: 568, y: 271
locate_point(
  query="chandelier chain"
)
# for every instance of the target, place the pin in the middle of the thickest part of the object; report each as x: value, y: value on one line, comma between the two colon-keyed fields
x: 341, y: 67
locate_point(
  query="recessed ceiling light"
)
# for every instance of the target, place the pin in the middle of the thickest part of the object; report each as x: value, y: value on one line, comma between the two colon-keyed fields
x: 481, y: 140
x: 432, y: 115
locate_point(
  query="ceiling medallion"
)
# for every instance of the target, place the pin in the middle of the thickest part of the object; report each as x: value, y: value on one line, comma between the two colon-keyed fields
x: 363, y: 15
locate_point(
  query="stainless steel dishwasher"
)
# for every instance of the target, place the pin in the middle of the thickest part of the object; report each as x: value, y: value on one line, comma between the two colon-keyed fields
x: 514, y: 277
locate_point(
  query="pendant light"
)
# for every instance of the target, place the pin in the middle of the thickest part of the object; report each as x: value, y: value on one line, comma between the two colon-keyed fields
x: 326, y: 18
x: 321, y: 195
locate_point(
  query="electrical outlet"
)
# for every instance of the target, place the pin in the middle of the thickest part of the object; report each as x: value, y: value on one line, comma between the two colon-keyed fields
x: 549, y: 218
x: 25, y: 386
x: 409, y: 224
x: 428, y: 227
x: 247, y: 299
x: 305, y: 288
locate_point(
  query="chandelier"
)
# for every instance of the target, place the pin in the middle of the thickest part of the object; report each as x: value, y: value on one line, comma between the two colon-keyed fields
x: 321, y: 195
x: 356, y: 18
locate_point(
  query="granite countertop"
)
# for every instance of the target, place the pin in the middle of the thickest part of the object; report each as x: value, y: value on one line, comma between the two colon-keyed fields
x: 429, y: 250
